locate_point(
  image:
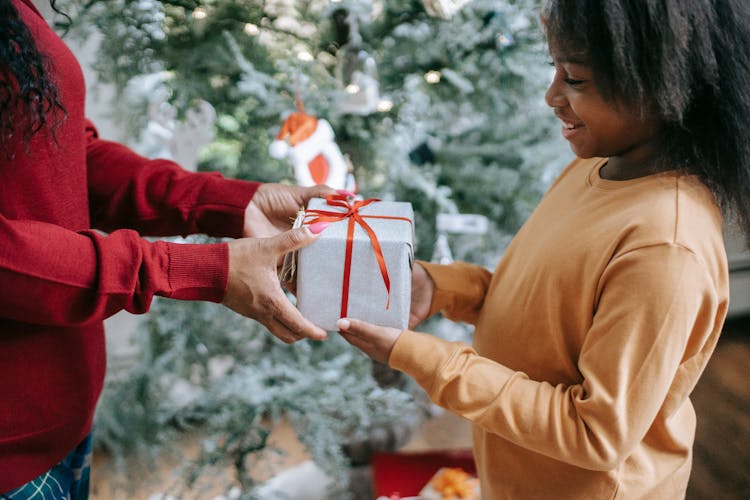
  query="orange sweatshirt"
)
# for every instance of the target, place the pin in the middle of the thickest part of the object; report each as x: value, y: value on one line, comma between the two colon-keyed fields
x: 590, y: 335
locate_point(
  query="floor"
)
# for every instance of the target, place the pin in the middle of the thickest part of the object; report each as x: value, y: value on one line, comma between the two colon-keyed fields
x: 721, y: 464
x: 721, y: 468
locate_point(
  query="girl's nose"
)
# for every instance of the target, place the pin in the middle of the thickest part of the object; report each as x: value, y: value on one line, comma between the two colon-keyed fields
x: 553, y: 97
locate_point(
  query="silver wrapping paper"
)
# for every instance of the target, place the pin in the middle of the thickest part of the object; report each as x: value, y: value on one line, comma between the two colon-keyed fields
x: 320, y: 269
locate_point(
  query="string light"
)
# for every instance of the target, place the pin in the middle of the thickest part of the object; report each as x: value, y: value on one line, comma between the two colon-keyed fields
x: 251, y: 29
x: 218, y: 81
x: 352, y: 88
x: 385, y: 105
x: 432, y: 77
x: 304, y: 56
x: 200, y: 13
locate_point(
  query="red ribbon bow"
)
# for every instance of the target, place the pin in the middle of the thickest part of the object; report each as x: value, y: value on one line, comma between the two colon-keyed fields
x: 351, y: 212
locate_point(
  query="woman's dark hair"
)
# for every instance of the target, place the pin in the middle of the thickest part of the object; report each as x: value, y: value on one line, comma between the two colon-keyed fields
x: 29, y: 98
x: 689, y: 62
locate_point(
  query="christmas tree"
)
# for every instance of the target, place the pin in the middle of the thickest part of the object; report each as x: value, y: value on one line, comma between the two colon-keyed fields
x: 439, y: 103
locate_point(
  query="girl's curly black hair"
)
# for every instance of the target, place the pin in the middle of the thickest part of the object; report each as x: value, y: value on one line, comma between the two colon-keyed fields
x: 29, y: 98
x: 690, y: 62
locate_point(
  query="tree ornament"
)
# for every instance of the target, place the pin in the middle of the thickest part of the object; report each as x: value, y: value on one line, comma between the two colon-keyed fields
x: 166, y: 136
x: 308, y: 143
x: 473, y: 224
x: 356, y: 70
x: 443, y: 8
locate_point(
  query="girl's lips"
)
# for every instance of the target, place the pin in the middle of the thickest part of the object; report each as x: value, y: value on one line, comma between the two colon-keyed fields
x: 571, y: 129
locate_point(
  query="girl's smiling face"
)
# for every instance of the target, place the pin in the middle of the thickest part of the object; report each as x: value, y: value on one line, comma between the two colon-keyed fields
x: 596, y: 126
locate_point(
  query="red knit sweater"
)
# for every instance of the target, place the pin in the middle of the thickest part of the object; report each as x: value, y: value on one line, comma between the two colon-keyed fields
x: 60, y: 278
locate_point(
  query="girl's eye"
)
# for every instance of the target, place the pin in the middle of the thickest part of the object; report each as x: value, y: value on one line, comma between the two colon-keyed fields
x: 567, y: 79
x: 571, y: 81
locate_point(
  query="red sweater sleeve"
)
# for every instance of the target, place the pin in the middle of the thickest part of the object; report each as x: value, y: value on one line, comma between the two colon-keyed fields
x: 54, y: 276
x: 158, y: 197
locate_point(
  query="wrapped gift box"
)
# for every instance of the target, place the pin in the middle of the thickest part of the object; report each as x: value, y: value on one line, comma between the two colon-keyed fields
x: 451, y: 483
x: 407, y: 473
x: 321, y: 266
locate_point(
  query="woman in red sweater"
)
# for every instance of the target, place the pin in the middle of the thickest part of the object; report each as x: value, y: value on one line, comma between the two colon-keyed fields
x: 73, y: 208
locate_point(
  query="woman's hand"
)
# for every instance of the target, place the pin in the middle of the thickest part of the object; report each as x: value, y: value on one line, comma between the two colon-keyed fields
x: 375, y: 341
x: 274, y: 208
x: 253, y: 287
x: 422, y: 290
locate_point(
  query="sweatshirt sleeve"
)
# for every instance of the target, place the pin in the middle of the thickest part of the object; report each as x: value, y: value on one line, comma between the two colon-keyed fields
x: 88, y: 276
x: 460, y: 289
x: 158, y: 197
x: 632, y: 355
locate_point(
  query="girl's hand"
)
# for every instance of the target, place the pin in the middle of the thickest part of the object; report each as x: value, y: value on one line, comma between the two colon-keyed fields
x: 373, y: 340
x: 422, y: 290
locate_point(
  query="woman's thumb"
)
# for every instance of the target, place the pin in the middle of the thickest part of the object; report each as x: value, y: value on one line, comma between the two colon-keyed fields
x: 319, y: 191
x: 294, y: 239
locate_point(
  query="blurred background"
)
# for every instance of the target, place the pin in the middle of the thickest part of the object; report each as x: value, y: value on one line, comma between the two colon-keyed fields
x: 439, y: 103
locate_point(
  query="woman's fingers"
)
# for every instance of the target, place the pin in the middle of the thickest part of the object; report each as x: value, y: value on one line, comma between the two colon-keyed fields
x: 290, y: 319
x: 253, y: 287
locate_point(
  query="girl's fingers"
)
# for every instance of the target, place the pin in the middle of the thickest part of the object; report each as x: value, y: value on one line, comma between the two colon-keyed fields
x: 354, y: 332
x: 357, y: 342
x: 375, y: 341
x: 357, y: 327
x: 344, y: 324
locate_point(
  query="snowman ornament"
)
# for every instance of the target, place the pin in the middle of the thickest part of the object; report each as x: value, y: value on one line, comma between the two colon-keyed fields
x: 308, y: 144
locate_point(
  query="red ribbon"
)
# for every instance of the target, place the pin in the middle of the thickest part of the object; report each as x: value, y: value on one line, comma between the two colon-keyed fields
x: 351, y: 212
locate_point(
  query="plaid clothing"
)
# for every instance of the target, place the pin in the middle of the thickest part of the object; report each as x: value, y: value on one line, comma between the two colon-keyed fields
x: 68, y: 480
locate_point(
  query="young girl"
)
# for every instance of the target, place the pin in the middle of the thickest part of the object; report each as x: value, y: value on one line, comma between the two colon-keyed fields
x: 596, y: 324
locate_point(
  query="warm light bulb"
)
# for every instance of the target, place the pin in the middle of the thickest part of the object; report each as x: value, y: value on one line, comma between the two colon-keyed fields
x: 251, y: 29
x: 432, y: 77
x: 385, y: 105
x: 304, y: 56
x: 218, y: 81
x: 200, y: 13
